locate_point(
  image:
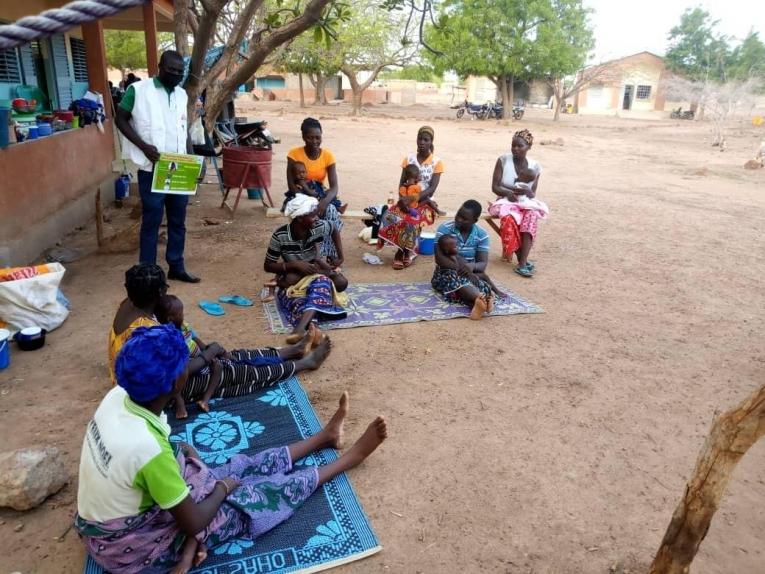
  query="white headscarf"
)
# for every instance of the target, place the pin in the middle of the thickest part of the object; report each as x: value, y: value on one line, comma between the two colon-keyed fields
x: 302, y: 204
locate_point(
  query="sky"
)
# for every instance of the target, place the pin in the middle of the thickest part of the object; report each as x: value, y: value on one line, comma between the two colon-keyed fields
x: 623, y: 28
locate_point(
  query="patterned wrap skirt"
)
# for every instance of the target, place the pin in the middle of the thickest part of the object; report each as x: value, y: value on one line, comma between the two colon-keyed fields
x: 402, y: 230
x: 448, y: 282
x: 319, y: 297
x: 268, y: 494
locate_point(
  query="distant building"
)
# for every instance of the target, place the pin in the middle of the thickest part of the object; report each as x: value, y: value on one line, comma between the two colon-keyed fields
x: 631, y: 86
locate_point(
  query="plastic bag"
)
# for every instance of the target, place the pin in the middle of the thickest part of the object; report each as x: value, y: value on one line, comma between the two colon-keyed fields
x: 30, y: 297
x: 197, y: 132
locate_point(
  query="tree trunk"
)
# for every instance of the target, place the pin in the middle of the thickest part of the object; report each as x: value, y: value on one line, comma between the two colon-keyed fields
x: 507, y: 108
x: 323, y: 89
x: 510, y: 94
x: 558, y: 98
x: 356, y: 102
x: 302, y: 95
x: 732, y: 434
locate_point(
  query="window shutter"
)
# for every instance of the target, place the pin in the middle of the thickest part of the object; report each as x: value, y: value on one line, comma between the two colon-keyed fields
x: 27, y: 52
x: 61, y: 70
x: 79, y: 63
x: 10, y: 73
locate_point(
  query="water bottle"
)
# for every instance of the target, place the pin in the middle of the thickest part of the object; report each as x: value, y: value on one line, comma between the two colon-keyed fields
x: 122, y: 187
x: 391, y: 199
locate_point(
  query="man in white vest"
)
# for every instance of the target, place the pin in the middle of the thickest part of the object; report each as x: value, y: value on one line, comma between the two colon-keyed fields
x: 152, y: 117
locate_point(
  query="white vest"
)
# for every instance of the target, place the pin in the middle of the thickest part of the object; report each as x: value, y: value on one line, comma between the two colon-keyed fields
x: 158, y: 120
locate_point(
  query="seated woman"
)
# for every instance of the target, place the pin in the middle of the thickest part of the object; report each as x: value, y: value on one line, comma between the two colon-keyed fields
x: 309, y: 288
x: 515, y: 182
x: 145, y: 284
x: 398, y: 227
x: 254, y: 368
x: 145, y: 505
x: 459, y: 279
x: 321, y: 169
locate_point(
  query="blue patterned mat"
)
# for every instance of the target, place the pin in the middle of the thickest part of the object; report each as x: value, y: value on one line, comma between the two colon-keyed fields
x: 391, y: 303
x: 328, y: 530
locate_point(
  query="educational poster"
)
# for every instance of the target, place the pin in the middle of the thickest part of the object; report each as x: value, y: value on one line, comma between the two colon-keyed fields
x: 176, y: 173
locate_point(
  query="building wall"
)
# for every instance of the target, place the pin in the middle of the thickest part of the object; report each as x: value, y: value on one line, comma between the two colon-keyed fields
x: 48, y: 187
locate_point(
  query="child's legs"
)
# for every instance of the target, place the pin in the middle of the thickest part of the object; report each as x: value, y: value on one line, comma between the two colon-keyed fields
x: 215, y: 376
x: 486, y: 279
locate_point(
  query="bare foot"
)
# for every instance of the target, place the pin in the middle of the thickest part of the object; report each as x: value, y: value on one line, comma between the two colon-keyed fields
x: 335, y: 427
x: 180, y: 410
x: 315, y: 358
x: 188, y: 552
x: 342, y: 208
x: 376, y: 433
x: 204, y: 406
x: 297, y: 350
x: 490, y: 303
x: 201, y: 554
x: 295, y: 337
x: 317, y: 335
x: 479, y: 308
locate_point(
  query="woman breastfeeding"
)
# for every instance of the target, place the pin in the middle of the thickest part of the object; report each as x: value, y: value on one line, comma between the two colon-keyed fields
x: 399, y: 228
x: 310, y: 288
x: 320, y: 181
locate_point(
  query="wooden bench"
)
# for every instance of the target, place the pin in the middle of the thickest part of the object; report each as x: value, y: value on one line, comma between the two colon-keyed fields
x: 360, y: 214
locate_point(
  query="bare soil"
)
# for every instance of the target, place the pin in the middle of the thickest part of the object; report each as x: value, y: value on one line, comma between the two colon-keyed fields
x: 553, y: 443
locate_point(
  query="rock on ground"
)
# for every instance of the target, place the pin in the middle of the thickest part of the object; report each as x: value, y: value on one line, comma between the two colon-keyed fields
x: 28, y: 476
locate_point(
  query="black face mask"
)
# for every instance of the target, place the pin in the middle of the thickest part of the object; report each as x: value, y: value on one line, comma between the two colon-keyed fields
x: 170, y: 80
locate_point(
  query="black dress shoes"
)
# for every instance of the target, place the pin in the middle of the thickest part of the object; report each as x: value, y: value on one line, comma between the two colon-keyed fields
x: 184, y: 276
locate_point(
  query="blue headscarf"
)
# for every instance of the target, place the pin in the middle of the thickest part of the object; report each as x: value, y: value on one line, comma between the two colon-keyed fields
x: 150, y: 361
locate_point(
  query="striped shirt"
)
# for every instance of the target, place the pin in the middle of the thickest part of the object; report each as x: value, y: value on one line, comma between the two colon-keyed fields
x: 290, y: 248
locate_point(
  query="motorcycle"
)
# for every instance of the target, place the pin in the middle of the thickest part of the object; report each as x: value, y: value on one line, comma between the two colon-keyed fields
x: 254, y: 134
x: 496, y: 109
x: 476, y: 110
x: 679, y: 114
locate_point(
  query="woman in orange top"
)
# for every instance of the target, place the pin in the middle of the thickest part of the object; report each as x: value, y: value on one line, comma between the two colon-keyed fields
x: 321, y: 169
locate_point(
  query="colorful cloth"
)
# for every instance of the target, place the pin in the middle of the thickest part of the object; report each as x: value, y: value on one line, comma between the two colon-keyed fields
x: 448, y: 282
x: 316, y: 168
x: 189, y: 335
x: 410, y: 194
x: 121, y: 477
x: 328, y: 248
x: 476, y: 241
x: 402, y: 230
x: 431, y: 166
x: 117, y: 340
x: 319, y: 297
x: 510, y: 230
x: 247, y: 371
x: 268, y: 494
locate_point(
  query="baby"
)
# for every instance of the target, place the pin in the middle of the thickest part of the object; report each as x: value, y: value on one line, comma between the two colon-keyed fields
x: 525, y: 179
x: 410, y: 190
x: 312, y: 188
x: 201, y: 356
x: 448, y: 245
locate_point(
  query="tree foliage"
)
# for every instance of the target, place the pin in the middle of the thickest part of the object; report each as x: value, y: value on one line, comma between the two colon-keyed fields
x: 696, y: 50
x: 748, y: 59
x: 507, y: 40
x: 125, y: 50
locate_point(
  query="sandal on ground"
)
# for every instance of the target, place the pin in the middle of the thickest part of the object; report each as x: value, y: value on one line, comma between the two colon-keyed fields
x: 408, y: 260
x: 237, y: 300
x: 525, y: 271
x: 398, y: 265
x: 211, y: 308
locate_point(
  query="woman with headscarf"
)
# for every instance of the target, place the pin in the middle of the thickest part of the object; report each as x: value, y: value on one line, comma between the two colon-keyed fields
x: 321, y: 173
x: 146, y: 505
x: 309, y: 287
x: 515, y: 182
x: 399, y: 228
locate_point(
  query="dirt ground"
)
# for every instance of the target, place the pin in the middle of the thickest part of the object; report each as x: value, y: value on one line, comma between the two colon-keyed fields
x: 552, y: 443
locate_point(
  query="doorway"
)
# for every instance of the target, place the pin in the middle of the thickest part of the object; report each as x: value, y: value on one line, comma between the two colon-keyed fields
x: 627, y: 103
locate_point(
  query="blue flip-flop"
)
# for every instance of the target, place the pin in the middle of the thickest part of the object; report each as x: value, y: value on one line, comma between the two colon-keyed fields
x: 525, y: 271
x: 211, y: 308
x: 235, y: 300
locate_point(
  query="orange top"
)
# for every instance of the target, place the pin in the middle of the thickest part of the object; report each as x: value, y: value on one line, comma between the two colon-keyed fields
x: 410, y: 194
x: 316, y: 168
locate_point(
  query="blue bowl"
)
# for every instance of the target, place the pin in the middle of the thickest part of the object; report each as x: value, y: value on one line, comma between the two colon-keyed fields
x: 30, y: 338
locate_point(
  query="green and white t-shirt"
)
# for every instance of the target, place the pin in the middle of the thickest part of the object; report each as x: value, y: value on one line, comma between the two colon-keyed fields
x: 127, y: 463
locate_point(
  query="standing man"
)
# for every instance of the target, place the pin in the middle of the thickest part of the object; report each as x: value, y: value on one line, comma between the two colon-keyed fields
x: 152, y: 117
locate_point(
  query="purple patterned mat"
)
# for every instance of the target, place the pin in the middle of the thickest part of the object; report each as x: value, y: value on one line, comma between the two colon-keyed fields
x: 392, y: 303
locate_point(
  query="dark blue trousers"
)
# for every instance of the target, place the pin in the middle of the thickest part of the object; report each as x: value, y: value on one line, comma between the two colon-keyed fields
x: 154, y: 207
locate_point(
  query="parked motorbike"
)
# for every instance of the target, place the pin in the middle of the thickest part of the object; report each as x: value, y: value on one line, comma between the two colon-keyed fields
x: 496, y: 109
x: 679, y: 114
x: 476, y: 110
